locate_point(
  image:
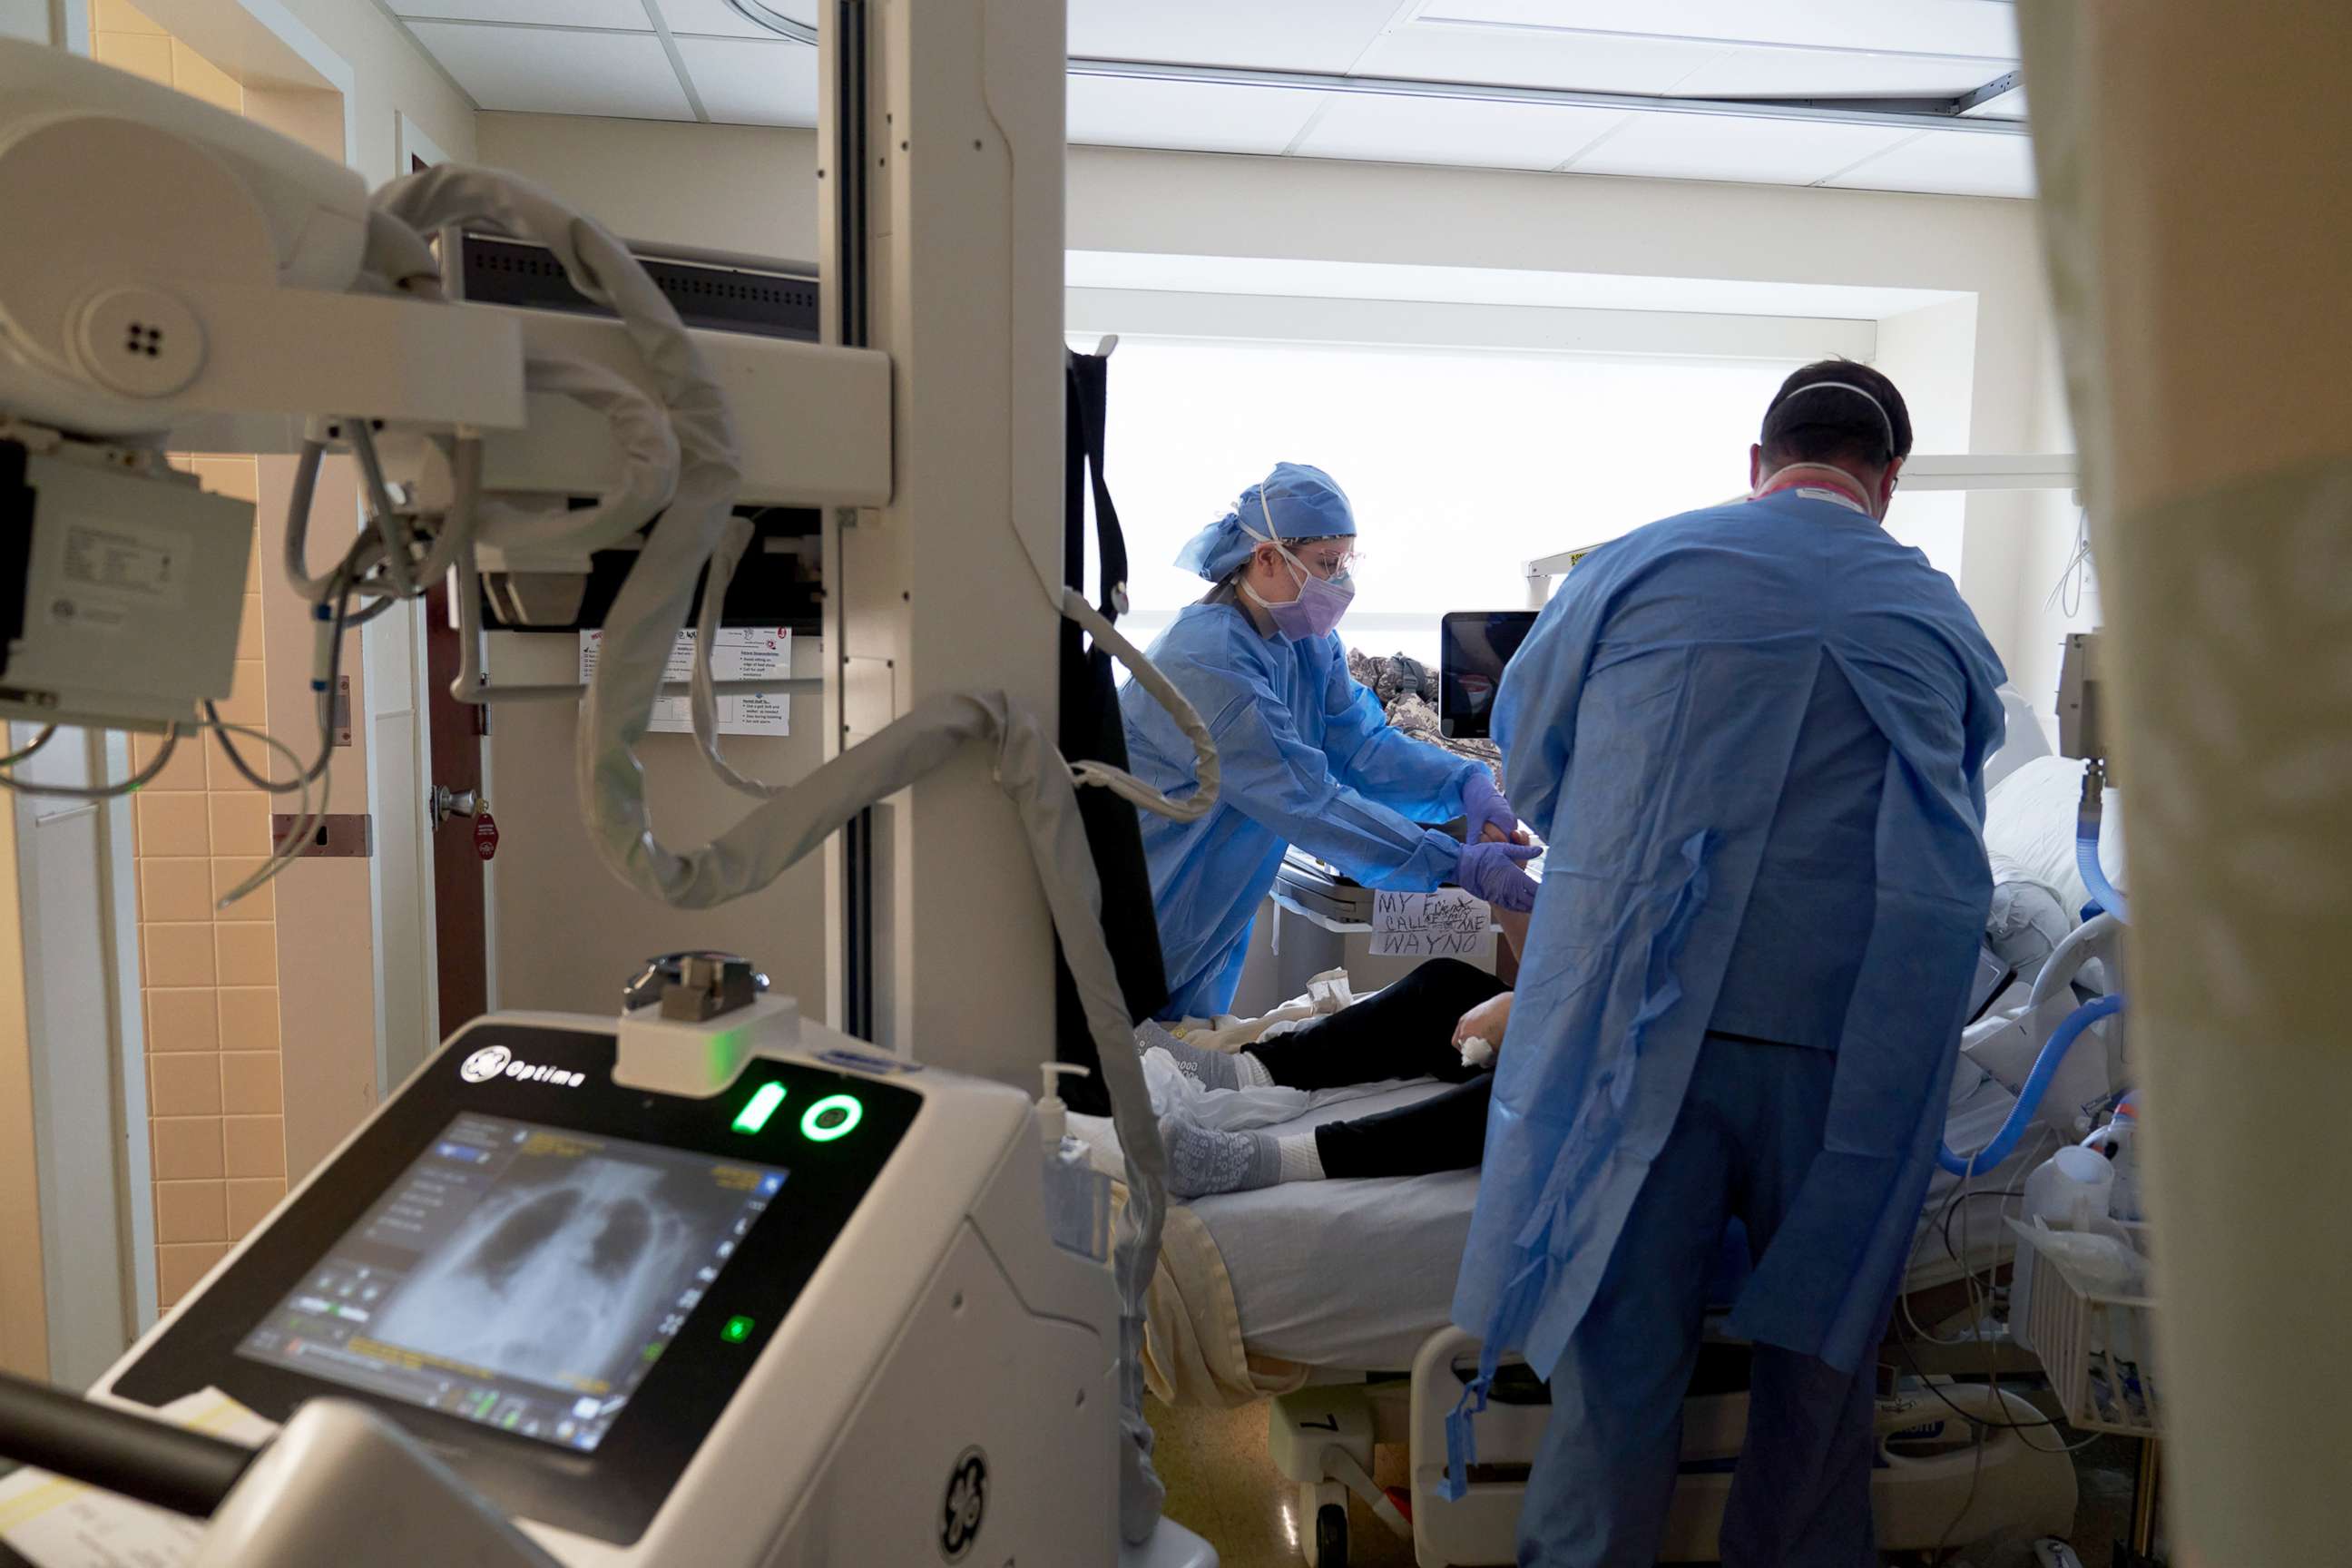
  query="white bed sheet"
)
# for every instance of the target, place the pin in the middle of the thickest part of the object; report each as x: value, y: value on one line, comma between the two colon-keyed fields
x: 1353, y: 1276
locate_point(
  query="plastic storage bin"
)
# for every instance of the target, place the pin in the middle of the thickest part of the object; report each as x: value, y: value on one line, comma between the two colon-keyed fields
x: 2096, y: 1344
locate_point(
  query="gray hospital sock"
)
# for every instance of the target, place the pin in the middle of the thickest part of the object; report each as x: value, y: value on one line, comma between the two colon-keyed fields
x: 1202, y: 1161
x: 1210, y: 1069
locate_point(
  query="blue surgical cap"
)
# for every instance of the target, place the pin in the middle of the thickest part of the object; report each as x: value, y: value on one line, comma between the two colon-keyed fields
x: 1302, y: 502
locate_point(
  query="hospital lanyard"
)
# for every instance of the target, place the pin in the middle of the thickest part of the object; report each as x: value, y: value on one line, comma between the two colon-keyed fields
x: 1814, y: 491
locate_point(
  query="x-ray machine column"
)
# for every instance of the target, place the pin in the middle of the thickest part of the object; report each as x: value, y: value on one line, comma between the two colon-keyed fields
x: 960, y: 142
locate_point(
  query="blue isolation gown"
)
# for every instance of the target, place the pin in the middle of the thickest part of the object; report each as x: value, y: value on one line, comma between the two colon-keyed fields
x: 1647, y: 726
x: 1309, y: 759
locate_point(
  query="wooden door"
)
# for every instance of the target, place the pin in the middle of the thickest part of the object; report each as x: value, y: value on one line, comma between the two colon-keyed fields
x: 454, y: 730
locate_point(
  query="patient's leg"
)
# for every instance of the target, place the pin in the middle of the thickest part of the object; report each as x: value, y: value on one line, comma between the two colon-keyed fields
x: 1447, y: 1131
x: 1405, y: 1031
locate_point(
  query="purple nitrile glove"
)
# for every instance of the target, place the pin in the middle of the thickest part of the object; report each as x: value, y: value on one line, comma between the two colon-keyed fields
x: 1491, y: 871
x: 1484, y: 806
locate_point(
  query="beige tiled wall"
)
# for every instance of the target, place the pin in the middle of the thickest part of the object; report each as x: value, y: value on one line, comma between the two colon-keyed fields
x: 210, y: 976
x: 124, y: 38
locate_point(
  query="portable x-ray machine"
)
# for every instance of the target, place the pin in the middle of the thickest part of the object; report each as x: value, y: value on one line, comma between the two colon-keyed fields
x: 707, y: 1283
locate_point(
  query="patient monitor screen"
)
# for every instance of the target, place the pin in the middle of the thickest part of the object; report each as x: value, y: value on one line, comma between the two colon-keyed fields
x: 1473, y: 648
x: 524, y: 1276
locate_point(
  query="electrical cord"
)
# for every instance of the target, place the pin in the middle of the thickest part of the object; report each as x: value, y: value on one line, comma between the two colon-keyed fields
x: 305, y: 777
x: 391, y: 522
x: 298, y: 837
x: 296, y: 842
x: 2066, y: 594
x: 1980, y: 1424
x: 48, y: 731
x: 99, y: 791
x: 383, y: 564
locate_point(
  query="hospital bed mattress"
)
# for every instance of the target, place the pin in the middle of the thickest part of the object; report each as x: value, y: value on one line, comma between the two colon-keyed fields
x: 1354, y: 1276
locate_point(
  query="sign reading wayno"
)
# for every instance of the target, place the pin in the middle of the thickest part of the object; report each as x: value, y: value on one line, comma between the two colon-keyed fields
x: 1448, y: 923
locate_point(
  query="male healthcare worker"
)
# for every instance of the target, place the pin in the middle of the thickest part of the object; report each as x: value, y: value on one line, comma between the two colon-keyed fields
x: 1755, y: 737
x: 1308, y: 754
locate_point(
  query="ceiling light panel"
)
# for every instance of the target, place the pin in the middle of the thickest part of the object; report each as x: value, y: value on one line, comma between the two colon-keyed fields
x: 1534, y: 59
x: 1804, y: 73
x: 1982, y: 28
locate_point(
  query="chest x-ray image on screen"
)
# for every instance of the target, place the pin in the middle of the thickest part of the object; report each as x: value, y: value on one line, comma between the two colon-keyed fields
x: 521, y: 1276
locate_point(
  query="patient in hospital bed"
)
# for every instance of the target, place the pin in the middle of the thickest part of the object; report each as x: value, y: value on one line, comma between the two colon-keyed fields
x: 1412, y: 1030
x: 1424, y: 1025
x: 1417, y: 1029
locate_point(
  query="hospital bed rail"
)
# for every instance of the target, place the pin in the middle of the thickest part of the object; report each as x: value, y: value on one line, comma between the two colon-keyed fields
x: 1953, y: 1464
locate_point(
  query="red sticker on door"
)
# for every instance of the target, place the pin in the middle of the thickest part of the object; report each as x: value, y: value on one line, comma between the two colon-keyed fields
x: 486, y: 835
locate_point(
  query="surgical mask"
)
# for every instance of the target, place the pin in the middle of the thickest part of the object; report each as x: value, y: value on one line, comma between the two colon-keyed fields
x: 1317, y: 610
x: 1765, y: 483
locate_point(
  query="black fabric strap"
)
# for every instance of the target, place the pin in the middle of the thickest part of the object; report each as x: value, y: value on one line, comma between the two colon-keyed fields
x: 1092, y: 729
x: 1089, y: 400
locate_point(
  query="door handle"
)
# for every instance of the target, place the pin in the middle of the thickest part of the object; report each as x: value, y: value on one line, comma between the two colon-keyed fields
x: 445, y: 803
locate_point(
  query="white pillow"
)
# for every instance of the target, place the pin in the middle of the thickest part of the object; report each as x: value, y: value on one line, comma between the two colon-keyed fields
x: 2030, y: 824
x: 2024, y: 742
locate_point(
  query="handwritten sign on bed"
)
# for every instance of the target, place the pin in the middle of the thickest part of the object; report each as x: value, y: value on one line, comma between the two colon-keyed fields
x: 1428, y: 925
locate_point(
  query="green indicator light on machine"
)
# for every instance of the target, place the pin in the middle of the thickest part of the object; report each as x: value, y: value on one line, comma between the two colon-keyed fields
x: 739, y: 1328
x: 762, y: 1105
x: 834, y: 1116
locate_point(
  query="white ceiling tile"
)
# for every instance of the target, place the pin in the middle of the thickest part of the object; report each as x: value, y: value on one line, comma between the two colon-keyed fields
x: 541, y: 70
x: 1951, y: 162
x: 1810, y: 73
x: 1272, y: 35
x: 1454, y: 131
x: 1982, y: 27
x: 1718, y: 147
x: 1119, y: 111
x: 1519, y: 58
x: 747, y: 83
x: 627, y: 15
x: 716, y: 18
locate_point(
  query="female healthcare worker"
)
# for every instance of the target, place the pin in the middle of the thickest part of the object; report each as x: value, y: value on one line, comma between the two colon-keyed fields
x: 1308, y: 756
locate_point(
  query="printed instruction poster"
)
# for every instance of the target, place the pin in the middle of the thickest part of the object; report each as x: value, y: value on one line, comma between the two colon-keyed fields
x: 742, y: 653
x: 1447, y: 922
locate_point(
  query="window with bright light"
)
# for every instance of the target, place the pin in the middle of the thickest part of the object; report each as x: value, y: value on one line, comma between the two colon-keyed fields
x: 1462, y: 464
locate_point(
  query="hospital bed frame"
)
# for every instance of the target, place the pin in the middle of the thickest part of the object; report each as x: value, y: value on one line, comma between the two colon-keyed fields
x: 1931, y: 1488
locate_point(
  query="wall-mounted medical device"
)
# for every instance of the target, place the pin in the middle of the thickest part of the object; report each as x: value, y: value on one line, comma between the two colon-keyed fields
x: 2082, y: 699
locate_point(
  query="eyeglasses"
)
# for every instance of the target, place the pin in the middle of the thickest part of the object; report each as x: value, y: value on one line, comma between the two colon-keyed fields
x: 1330, y: 562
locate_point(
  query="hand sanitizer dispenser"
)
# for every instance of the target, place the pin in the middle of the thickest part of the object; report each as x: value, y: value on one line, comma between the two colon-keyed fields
x: 1077, y: 1196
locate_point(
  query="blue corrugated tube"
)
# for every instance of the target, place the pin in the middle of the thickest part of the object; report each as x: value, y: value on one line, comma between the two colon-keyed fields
x: 2037, y: 1083
x: 2095, y: 875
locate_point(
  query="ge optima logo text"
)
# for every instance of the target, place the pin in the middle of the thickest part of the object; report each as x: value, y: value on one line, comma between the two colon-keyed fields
x: 496, y: 1061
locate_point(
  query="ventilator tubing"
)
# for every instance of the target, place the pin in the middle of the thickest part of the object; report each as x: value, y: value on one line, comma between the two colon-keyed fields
x: 2095, y: 875
x: 2037, y: 1084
